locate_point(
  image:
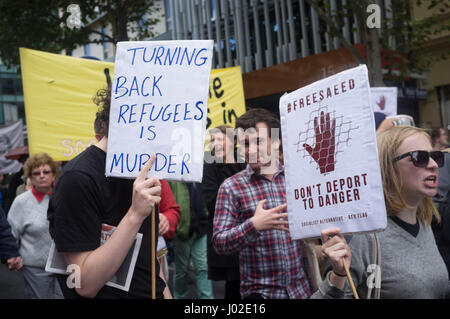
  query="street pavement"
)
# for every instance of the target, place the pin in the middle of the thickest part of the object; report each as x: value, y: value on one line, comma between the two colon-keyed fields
x: 218, y: 286
x: 12, y: 285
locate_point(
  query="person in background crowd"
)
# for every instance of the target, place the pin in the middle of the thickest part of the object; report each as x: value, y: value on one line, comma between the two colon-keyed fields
x: 9, y: 251
x: 383, y: 122
x: 190, y: 241
x: 439, y: 138
x: 169, y: 211
x: 169, y: 215
x: 403, y: 260
x: 28, y: 220
x: 16, y: 180
x: 379, y: 118
x: 84, y: 199
x: 22, y: 188
x: 3, y: 190
x: 442, y: 200
x: 250, y: 219
x: 215, y: 171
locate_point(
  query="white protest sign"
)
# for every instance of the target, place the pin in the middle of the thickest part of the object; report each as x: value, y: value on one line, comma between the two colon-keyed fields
x: 159, y: 104
x: 331, y: 160
x: 384, y: 100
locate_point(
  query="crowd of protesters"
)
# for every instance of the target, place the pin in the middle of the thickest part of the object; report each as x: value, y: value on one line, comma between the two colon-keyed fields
x: 232, y: 227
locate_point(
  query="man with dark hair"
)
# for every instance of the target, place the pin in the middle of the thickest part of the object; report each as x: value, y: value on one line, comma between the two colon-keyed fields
x: 83, y: 200
x: 439, y: 138
x: 250, y: 218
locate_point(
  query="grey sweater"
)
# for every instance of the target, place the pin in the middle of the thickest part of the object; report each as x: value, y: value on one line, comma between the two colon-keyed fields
x: 411, y: 267
x: 29, y: 225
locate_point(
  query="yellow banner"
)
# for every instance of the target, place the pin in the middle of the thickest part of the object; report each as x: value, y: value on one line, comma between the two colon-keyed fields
x: 226, y: 97
x: 58, y: 92
x: 60, y: 113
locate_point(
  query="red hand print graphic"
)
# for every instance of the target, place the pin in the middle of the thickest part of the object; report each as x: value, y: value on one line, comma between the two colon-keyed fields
x: 382, y: 102
x: 323, y: 151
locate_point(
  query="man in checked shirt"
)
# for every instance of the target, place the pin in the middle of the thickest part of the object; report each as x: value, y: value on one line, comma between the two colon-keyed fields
x: 250, y: 218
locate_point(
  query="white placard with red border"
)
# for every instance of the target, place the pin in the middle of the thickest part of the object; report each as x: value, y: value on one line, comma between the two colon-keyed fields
x: 384, y: 100
x: 331, y: 162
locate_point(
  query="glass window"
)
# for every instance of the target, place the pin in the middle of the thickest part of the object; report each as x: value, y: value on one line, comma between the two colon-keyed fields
x: 87, y: 49
x: 105, y: 44
x: 2, y: 119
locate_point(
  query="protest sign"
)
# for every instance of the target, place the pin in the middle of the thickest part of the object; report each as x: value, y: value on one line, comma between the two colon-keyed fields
x: 11, y: 136
x: 58, y: 92
x: 330, y: 153
x: 62, y: 124
x: 159, y: 104
x: 226, y: 97
x: 384, y: 100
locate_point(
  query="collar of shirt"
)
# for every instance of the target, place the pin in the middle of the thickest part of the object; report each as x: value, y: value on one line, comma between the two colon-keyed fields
x: 39, y: 196
x: 251, y: 172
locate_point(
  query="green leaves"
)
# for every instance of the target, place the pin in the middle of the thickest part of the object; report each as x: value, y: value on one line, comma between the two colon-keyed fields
x: 403, y: 37
x: 42, y: 25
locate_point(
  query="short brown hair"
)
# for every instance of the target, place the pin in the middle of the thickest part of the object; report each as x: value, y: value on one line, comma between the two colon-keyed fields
x: 253, y: 116
x: 37, y: 160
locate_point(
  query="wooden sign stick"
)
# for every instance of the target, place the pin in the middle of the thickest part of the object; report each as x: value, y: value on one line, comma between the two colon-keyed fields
x: 350, y: 280
x: 153, y: 222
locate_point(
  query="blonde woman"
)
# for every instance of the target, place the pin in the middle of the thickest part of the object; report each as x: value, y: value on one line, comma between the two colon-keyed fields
x: 29, y: 224
x: 224, y: 164
x: 403, y: 260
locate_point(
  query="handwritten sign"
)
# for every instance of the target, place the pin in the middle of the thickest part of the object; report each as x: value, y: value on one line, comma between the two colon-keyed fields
x: 333, y: 175
x: 384, y: 100
x: 226, y: 97
x: 159, y: 103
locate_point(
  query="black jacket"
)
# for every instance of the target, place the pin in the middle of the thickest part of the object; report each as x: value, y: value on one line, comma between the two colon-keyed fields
x: 213, y: 176
x: 8, y: 245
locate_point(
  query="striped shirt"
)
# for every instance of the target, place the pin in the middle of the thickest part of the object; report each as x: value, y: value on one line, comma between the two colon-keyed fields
x: 270, y: 262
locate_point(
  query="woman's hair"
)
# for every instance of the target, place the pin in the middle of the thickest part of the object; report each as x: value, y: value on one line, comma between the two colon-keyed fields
x: 103, y: 100
x: 226, y: 130
x: 229, y: 133
x: 38, y: 160
x: 388, y: 143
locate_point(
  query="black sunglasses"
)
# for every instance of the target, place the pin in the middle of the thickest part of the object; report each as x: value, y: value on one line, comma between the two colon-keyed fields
x: 421, y: 158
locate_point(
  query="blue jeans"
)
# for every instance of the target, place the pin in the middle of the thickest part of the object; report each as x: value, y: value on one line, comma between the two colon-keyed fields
x: 194, y: 248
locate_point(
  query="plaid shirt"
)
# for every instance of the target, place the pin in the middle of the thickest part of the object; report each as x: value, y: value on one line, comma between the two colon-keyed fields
x: 270, y: 262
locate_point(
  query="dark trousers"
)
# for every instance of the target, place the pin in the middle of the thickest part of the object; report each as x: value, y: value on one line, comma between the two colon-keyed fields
x: 232, y: 290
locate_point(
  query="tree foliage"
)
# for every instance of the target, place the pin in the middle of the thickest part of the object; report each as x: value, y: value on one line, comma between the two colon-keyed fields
x: 42, y: 25
x: 401, y: 40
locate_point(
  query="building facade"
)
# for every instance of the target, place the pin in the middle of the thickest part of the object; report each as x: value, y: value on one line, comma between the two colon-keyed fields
x: 435, y: 110
x: 282, y: 45
x: 11, y: 95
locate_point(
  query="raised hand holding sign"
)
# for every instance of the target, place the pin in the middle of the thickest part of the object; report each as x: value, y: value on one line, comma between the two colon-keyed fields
x: 146, y: 191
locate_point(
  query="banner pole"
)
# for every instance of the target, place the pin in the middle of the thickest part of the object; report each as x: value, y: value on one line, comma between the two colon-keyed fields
x: 350, y: 280
x: 153, y: 222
